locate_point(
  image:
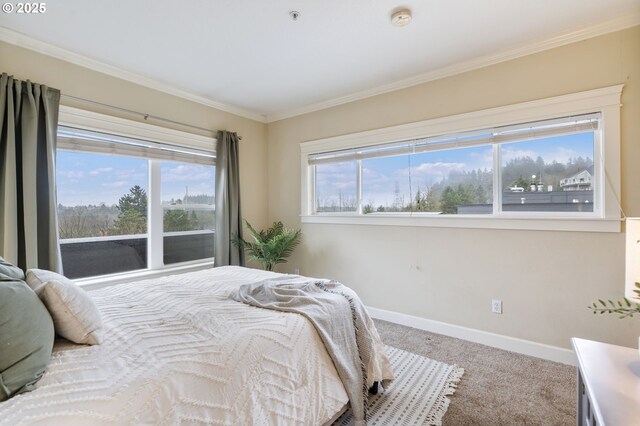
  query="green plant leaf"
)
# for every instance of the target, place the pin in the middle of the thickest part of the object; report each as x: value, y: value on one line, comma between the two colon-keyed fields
x: 271, y: 246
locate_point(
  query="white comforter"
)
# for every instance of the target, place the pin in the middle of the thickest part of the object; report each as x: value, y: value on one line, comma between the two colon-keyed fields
x: 176, y: 350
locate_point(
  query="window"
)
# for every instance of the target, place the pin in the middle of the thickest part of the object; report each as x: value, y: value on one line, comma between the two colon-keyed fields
x: 128, y: 204
x: 453, y: 174
x: 555, y: 159
x: 188, y: 214
x: 550, y: 174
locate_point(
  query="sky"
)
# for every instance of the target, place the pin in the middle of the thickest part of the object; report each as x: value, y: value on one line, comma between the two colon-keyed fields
x: 84, y: 179
x: 380, y: 176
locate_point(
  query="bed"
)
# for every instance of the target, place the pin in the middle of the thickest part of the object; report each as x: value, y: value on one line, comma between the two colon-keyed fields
x: 177, y: 350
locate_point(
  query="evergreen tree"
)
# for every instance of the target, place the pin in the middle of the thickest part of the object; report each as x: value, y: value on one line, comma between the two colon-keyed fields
x: 176, y: 220
x: 195, y: 223
x: 132, y: 218
x: 432, y: 202
x: 129, y: 222
x: 135, y: 200
x: 481, y: 195
x: 449, y: 202
x: 466, y: 195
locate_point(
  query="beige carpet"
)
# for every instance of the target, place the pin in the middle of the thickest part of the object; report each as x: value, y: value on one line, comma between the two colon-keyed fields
x: 498, y: 387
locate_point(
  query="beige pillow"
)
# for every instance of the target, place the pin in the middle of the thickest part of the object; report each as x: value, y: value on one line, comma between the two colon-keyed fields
x: 75, y: 315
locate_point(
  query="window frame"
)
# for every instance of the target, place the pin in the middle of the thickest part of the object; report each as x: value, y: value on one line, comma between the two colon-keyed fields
x: 605, y: 101
x: 92, y: 121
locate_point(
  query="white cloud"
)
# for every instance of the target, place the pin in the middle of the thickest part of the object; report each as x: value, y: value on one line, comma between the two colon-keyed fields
x: 71, y: 174
x: 485, y: 157
x: 510, y: 153
x: 186, y: 173
x: 334, y: 177
x: 437, y: 169
x: 100, y: 170
x: 116, y: 184
x: 374, y: 178
x: 124, y: 174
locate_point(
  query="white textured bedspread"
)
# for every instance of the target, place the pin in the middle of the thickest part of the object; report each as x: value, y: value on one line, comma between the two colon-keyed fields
x: 177, y: 350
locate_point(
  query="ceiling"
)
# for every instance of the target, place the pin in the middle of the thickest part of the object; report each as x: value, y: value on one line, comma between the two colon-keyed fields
x: 251, y: 58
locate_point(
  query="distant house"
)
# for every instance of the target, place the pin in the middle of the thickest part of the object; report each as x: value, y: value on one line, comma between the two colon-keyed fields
x: 578, y: 182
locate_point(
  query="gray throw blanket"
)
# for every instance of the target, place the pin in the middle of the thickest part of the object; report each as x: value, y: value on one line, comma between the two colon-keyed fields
x: 327, y: 304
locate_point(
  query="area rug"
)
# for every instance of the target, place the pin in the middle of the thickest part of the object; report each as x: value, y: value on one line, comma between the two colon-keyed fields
x: 417, y: 396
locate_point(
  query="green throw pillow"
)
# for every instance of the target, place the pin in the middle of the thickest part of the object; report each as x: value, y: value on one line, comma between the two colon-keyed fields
x: 8, y: 272
x: 26, y: 336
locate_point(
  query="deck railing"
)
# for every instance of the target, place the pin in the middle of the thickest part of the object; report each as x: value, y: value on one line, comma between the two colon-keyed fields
x: 94, y: 256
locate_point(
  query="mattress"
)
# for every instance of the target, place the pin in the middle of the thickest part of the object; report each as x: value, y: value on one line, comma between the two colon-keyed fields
x: 177, y: 350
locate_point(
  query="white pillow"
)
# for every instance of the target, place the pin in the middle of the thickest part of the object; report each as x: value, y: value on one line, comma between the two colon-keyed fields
x: 75, y: 315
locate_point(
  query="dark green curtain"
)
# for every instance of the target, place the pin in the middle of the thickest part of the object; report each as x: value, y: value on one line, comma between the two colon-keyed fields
x: 28, y: 220
x: 228, y: 216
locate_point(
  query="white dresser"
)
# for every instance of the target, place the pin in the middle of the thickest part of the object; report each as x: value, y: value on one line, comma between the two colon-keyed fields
x: 608, y: 384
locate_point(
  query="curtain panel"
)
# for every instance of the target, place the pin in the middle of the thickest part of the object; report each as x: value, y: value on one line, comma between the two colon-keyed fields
x: 28, y: 219
x: 228, y: 215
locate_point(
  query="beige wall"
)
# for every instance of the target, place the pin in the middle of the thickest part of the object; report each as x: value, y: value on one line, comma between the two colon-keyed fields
x: 81, y: 82
x: 545, y: 279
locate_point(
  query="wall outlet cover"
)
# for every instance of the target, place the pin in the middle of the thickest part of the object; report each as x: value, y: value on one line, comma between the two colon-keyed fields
x: 496, y: 306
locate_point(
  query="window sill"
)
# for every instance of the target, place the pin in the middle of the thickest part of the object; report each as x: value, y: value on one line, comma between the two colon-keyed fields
x: 472, y: 221
x: 93, y: 283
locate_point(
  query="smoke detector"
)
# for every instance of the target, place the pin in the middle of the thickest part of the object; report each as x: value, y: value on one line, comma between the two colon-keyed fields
x: 294, y: 15
x: 401, y: 18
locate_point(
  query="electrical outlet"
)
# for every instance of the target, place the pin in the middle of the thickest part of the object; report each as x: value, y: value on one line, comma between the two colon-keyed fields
x: 296, y: 271
x: 496, y: 306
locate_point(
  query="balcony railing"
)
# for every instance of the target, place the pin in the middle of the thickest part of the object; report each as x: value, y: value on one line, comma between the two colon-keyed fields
x: 94, y: 256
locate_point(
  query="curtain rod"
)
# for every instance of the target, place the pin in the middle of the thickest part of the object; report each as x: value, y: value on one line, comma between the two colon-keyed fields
x: 145, y: 116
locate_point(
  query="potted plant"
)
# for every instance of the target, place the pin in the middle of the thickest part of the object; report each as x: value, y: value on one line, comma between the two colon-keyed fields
x: 269, y: 247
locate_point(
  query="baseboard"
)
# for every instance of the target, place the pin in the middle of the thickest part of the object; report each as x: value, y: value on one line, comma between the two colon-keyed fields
x: 526, y: 347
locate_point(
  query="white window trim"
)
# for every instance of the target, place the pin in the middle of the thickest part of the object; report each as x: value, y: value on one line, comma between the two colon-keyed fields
x: 100, y: 281
x: 75, y: 117
x: 79, y: 118
x: 605, y: 100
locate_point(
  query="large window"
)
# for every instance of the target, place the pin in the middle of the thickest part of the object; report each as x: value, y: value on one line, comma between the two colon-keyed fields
x: 546, y: 166
x: 110, y: 188
x: 538, y: 166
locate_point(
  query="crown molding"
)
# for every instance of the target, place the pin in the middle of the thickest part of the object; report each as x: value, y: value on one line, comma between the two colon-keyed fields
x: 617, y: 24
x: 21, y: 40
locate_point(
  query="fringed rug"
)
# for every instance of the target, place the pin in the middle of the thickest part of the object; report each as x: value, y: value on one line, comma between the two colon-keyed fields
x: 417, y: 396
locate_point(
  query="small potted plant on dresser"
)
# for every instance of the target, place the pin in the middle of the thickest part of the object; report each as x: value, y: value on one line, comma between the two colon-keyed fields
x: 271, y: 246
